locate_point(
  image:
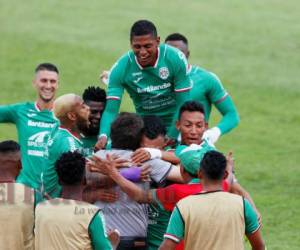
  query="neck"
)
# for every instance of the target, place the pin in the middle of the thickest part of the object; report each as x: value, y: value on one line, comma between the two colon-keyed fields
x: 42, y: 105
x: 7, y: 178
x: 72, y: 192
x: 71, y: 127
x: 210, y: 186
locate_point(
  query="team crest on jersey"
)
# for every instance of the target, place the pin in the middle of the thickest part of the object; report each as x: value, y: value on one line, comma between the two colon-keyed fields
x: 164, y: 73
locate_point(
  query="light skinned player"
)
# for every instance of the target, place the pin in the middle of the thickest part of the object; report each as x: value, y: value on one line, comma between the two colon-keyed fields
x: 34, y: 121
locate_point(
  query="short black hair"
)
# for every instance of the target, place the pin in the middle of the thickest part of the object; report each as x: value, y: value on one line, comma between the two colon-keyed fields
x: 213, y: 165
x: 95, y: 94
x: 153, y: 126
x: 9, y: 146
x: 177, y: 37
x: 126, y: 131
x: 46, y: 66
x: 191, y: 106
x: 141, y: 28
x: 70, y: 168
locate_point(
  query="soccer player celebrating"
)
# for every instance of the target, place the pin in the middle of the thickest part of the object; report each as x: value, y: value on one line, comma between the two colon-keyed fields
x: 208, y: 90
x: 73, y: 115
x: 34, y: 120
x: 95, y: 98
x: 155, y: 77
x: 17, y: 202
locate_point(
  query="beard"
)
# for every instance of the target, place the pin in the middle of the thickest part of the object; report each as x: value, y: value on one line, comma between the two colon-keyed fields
x: 89, y: 130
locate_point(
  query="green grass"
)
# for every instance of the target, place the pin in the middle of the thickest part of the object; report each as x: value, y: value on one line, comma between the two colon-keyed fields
x: 252, y: 45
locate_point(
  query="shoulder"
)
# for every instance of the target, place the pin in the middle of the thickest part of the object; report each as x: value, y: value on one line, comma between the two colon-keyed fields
x: 124, y: 60
x: 171, y: 53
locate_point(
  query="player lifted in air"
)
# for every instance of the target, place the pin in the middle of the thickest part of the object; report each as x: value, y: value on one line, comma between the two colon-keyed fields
x: 154, y: 75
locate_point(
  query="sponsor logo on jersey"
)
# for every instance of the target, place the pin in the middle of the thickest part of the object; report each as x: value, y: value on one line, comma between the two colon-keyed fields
x: 136, y: 74
x: 152, y: 88
x: 31, y: 115
x: 164, y: 73
x: 137, y: 80
x: 40, y: 124
x: 72, y: 144
x: 38, y: 139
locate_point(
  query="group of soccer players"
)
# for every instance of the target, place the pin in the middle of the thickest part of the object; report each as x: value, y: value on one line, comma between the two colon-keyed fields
x: 91, y: 178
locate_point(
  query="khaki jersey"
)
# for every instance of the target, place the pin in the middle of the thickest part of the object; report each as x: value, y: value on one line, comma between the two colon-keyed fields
x: 213, y: 221
x: 63, y: 224
x: 16, y: 216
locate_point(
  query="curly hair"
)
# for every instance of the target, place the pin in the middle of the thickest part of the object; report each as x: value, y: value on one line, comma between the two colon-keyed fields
x: 95, y: 94
x: 70, y: 168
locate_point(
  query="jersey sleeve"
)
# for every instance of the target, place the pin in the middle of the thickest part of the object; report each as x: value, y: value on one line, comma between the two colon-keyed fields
x: 159, y: 170
x: 223, y: 102
x: 114, y: 96
x: 251, y: 221
x: 166, y: 197
x: 97, y: 234
x: 182, y: 86
x: 175, y: 230
x: 230, y: 117
x: 9, y: 113
x: 216, y: 92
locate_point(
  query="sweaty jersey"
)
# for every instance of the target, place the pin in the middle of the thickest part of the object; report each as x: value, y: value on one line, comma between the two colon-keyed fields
x: 60, y: 141
x: 33, y: 125
x: 153, y: 90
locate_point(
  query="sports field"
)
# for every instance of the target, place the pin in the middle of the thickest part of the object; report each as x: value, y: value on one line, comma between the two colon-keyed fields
x: 253, y: 46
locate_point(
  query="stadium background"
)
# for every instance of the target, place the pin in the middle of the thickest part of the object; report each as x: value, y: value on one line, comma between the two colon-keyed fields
x: 253, y: 46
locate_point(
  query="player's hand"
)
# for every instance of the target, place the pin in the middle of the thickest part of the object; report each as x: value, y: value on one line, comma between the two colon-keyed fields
x: 230, y: 167
x: 145, y: 173
x: 170, y: 142
x: 114, y: 238
x: 104, y: 76
x: 106, y: 166
x: 101, y: 143
x: 212, y: 135
x: 107, y: 195
x: 140, y: 155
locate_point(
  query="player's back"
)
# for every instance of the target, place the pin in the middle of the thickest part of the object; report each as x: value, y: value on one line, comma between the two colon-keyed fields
x: 63, y: 224
x: 16, y: 216
x: 213, y: 220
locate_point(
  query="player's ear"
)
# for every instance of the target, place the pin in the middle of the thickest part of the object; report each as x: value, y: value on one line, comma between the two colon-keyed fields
x: 206, y: 125
x: 188, y: 54
x: 177, y: 125
x: 158, y: 39
x: 200, y: 174
x: 71, y: 116
x: 225, y: 174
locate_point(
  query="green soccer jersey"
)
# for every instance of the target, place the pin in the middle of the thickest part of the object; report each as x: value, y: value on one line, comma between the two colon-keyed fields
x: 158, y: 90
x: 157, y: 226
x: 208, y: 90
x: 60, y: 141
x: 33, y: 125
x: 88, y: 144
